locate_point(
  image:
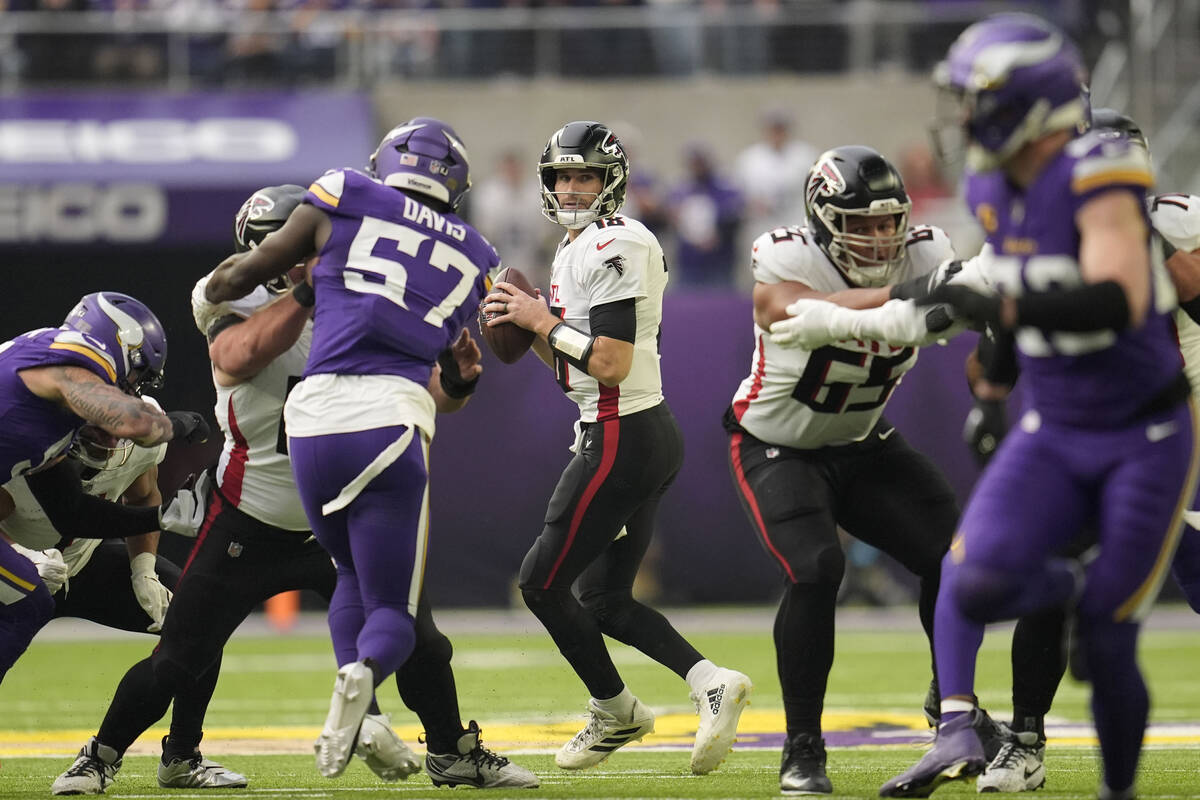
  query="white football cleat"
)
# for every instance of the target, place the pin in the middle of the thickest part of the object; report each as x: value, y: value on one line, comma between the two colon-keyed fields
x: 198, y: 772
x: 385, y: 754
x: 603, y: 734
x: 352, y: 694
x: 720, y: 704
x: 94, y: 769
x: 472, y: 764
x: 1018, y: 767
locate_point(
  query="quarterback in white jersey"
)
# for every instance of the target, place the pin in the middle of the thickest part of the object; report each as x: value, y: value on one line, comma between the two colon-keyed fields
x: 600, y: 335
x: 809, y: 450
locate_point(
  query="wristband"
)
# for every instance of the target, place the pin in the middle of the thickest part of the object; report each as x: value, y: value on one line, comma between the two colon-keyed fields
x: 572, y: 344
x: 304, y: 295
x: 1168, y: 249
x: 452, y: 380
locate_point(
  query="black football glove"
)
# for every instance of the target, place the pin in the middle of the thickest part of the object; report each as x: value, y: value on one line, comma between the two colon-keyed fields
x: 985, y: 426
x: 188, y: 426
x: 977, y: 309
x: 453, y: 383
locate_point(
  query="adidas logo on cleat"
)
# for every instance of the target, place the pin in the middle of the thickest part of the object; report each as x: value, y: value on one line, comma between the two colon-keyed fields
x: 715, y: 696
x: 616, y: 739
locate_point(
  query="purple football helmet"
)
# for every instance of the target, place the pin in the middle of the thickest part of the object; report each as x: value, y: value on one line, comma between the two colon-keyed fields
x: 130, y: 333
x: 1013, y: 78
x: 424, y: 155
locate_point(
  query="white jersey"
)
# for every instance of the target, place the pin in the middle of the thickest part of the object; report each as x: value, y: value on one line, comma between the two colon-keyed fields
x: 254, y: 471
x: 29, y: 526
x: 612, y: 259
x: 1176, y: 217
x: 835, y: 394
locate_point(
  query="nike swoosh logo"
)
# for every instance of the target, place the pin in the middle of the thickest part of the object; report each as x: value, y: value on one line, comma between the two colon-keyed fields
x: 883, y: 435
x: 606, y: 244
x: 1156, y: 433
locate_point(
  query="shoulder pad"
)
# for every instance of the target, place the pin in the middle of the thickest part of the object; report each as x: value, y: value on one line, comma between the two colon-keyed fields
x: 1176, y: 217
x: 782, y: 254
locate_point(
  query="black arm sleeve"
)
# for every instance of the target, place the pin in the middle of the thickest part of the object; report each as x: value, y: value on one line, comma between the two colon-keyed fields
x: 78, y: 515
x: 616, y: 320
x: 997, y: 352
x: 1091, y: 307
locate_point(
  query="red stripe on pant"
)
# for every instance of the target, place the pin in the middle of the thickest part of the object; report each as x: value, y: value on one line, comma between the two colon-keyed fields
x: 215, y: 503
x: 612, y: 434
x: 735, y: 456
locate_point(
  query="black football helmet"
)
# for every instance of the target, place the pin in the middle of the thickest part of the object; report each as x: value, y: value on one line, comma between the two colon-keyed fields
x: 580, y: 145
x: 856, y: 180
x: 263, y: 213
x: 1109, y: 119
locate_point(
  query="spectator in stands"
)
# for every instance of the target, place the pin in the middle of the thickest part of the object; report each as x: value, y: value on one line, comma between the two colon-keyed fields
x: 706, y: 211
x: 501, y: 210
x: 771, y: 172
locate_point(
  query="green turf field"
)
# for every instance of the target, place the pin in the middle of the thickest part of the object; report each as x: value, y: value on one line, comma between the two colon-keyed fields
x: 274, y: 692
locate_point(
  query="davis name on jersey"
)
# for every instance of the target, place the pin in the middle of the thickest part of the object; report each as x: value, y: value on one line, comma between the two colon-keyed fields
x: 396, y: 280
x: 835, y: 394
x: 612, y: 259
x: 254, y: 472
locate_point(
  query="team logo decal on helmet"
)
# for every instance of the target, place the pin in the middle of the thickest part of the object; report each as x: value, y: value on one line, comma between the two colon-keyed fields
x: 824, y: 180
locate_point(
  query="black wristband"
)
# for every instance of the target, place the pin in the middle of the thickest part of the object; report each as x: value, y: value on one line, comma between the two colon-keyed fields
x: 999, y: 358
x: 452, y: 380
x: 1192, y: 308
x: 1091, y: 307
x: 304, y: 295
x: 1168, y: 249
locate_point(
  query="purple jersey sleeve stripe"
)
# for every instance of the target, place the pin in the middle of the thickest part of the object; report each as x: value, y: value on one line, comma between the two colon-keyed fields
x: 318, y: 191
x: 1116, y: 177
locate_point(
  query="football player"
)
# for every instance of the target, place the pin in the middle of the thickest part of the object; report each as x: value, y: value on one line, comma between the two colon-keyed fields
x: 258, y: 541
x: 1108, y: 433
x: 600, y: 336
x: 388, y: 350
x: 809, y: 449
x: 54, y: 381
x: 1018, y: 766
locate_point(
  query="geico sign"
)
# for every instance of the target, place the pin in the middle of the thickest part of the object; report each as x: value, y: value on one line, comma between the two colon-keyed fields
x: 145, y: 141
x: 82, y: 212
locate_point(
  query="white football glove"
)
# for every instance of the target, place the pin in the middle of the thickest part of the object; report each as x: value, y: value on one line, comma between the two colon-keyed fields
x: 808, y: 326
x: 184, y: 513
x: 204, y: 312
x: 151, y: 595
x: 900, y: 323
x: 50, y: 566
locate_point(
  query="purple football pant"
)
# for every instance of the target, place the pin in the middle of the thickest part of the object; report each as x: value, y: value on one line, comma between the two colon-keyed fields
x: 25, y: 605
x: 1038, y: 493
x: 377, y: 541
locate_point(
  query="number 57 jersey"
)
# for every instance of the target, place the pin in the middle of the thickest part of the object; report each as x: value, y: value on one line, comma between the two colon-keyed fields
x: 835, y: 394
x: 395, y: 282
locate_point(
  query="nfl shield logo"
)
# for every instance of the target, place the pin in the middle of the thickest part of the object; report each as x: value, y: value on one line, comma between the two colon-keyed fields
x: 234, y: 549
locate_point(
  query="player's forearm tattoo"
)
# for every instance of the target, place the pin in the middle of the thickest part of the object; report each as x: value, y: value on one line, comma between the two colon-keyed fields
x: 113, y: 410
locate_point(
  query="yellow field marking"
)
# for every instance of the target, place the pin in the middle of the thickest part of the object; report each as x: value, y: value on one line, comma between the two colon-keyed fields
x: 669, y: 729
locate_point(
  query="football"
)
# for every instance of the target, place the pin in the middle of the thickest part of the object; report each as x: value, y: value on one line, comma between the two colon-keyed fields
x: 507, y: 341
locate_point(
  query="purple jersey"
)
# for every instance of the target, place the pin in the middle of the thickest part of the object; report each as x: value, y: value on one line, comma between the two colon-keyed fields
x: 395, y: 283
x: 1093, y: 379
x: 34, y: 430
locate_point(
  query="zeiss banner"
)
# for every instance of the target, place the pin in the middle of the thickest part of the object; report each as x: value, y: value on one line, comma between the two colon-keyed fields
x: 158, y: 168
